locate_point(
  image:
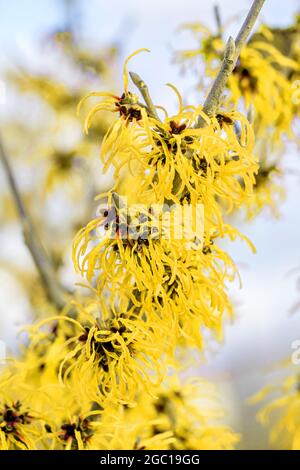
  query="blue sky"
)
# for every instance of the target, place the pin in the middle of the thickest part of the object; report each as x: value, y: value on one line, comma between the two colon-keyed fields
x: 136, y: 23
x: 139, y: 23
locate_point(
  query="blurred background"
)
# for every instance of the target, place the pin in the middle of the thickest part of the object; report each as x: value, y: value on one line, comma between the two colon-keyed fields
x: 52, y: 53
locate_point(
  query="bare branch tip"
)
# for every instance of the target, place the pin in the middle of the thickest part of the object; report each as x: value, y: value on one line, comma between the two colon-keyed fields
x: 230, y: 49
x: 141, y: 85
x: 136, y: 79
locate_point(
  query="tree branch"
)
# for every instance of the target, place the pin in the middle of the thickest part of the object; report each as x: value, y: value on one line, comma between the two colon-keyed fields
x: 218, y: 19
x: 212, y: 101
x: 247, y: 26
x: 54, y: 290
x: 141, y: 85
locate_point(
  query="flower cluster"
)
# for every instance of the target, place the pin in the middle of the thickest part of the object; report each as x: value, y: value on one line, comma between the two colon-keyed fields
x: 100, y: 372
x: 53, y: 416
x: 157, y: 280
x: 262, y: 85
x: 179, y: 417
x: 281, y: 412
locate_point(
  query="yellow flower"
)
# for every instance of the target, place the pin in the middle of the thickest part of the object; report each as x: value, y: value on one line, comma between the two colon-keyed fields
x: 172, y: 162
x: 111, y: 357
x: 44, y: 349
x: 268, y: 193
x: 259, y: 79
x: 126, y: 105
x: 21, y: 426
x: 74, y: 424
x: 180, y: 417
x: 178, y: 288
x: 211, y: 161
x: 283, y: 412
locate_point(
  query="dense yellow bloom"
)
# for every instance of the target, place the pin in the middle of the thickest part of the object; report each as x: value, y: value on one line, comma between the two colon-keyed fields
x: 95, y: 371
x: 174, y: 162
x: 181, y: 417
x: 171, y: 162
x: 259, y: 79
x: 21, y: 425
x: 51, y: 416
x: 74, y: 424
x: 262, y: 84
x: 212, y: 162
x: 114, y: 356
x: 182, y: 286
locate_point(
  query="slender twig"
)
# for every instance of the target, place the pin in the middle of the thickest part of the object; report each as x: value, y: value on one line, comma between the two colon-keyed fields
x: 54, y: 290
x: 212, y: 101
x: 141, y: 85
x: 247, y: 26
x: 218, y: 19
